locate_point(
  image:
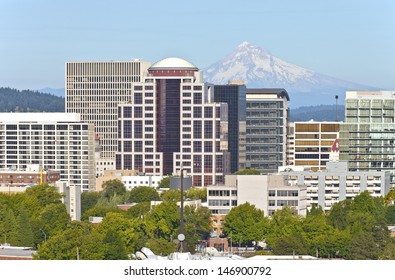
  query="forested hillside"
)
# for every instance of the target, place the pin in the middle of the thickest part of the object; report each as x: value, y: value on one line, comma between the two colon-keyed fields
x: 12, y: 100
x: 317, y: 113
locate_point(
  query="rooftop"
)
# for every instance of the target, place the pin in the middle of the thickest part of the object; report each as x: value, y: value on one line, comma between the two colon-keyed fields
x: 173, y: 63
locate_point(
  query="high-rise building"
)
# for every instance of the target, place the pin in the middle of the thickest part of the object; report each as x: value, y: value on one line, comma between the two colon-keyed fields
x: 367, y: 138
x: 172, y: 122
x: 54, y: 141
x: 234, y: 94
x: 313, y: 143
x: 94, y: 90
x: 266, y: 136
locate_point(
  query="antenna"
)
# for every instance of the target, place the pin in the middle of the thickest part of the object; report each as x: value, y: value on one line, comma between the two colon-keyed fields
x: 336, y: 97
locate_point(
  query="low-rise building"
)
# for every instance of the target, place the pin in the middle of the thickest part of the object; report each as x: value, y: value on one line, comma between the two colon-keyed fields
x: 337, y: 183
x: 15, y: 181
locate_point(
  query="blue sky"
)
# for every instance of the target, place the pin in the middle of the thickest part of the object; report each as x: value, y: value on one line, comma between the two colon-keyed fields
x: 353, y: 40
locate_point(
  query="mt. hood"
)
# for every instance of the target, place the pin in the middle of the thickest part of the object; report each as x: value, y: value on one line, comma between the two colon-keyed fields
x: 260, y: 69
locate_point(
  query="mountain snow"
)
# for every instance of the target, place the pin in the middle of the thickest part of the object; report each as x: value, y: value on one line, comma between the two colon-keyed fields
x: 260, y: 69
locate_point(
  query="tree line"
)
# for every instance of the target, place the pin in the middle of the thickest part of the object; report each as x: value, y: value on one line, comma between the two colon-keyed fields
x: 352, y: 229
x: 13, y: 100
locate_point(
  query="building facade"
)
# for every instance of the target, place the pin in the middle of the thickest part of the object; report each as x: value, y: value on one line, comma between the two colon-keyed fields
x: 313, y: 143
x: 54, y: 141
x: 336, y: 183
x: 234, y: 94
x: 94, y: 90
x: 266, y: 135
x: 367, y: 138
x: 171, y: 122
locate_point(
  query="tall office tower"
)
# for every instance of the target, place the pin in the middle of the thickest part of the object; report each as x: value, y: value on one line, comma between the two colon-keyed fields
x: 313, y: 143
x: 94, y: 90
x: 55, y: 141
x: 266, y: 137
x: 172, y: 121
x: 234, y: 94
x: 367, y: 138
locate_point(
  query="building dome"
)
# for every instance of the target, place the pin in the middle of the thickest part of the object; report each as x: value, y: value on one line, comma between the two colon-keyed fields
x: 173, y: 63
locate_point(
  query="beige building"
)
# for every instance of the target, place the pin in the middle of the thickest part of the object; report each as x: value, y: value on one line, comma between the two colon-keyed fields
x: 313, y: 143
x: 112, y: 175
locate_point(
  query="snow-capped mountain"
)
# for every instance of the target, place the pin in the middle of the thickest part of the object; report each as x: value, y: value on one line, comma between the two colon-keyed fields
x: 260, y: 69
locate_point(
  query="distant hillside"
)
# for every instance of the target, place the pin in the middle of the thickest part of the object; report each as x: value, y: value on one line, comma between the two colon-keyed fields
x: 317, y: 113
x: 12, y: 100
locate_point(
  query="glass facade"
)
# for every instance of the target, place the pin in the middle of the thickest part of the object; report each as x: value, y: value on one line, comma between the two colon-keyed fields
x: 235, y: 97
x: 267, y: 118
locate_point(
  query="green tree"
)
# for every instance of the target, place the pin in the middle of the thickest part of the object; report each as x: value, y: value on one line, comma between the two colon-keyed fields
x: 164, y: 183
x: 390, y: 214
x: 197, y: 193
x: 115, y: 247
x: 163, y: 221
x: 89, y: 200
x: 286, y: 226
x: 247, y: 172
x: 197, y: 225
x: 100, y: 211
x: 9, y: 228
x: 112, y: 187
x: 54, y: 219
x: 143, y: 193
x: 45, y: 194
x: 139, y: 210
x: 245, y: 224
x: 79, y: 241
x: 25, y: 232
x: 171, y: 195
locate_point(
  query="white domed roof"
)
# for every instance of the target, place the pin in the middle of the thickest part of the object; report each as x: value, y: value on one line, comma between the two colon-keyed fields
x: 173, y: 63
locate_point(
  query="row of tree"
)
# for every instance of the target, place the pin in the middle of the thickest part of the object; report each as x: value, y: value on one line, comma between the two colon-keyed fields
x: 352, y: 229
x: 122, y: 233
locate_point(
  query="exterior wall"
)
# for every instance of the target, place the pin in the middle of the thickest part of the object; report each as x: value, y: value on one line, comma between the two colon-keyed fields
x: 266, y: 136
x: 173, y: 122
x: 54, y: 141
x: 72, y: 199
x: 111, y: 175
x: 313, y: 143
x: 336, y: 183
x: 235, y: 97
x: 132, y: 182
x: 257, y: 190
x: 94, y: 90
x: 367, y: 138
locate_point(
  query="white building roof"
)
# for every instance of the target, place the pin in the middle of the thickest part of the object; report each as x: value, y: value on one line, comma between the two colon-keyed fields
x: 39, y: 117
x: 173, y: 63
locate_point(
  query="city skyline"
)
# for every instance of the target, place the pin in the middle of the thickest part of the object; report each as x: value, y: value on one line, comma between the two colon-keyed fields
x: 350, y: 41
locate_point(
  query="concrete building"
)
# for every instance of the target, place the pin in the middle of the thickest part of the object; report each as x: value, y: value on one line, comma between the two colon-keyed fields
x: 336, y: 183
x: 266, y: 136
x: 173, y: 121
x: 94, y: 90
x: 54, y: 141
x: 313, y: 143
x: 113, y: 175
x: 266, y: 192
x: 367, y: 138
x: 132, y: 182
x: 234, y: 94
x: 72, y: 199
x: 15, y: 181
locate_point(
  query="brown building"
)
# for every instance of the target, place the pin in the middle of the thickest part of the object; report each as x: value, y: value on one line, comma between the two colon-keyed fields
x: 13, y: 181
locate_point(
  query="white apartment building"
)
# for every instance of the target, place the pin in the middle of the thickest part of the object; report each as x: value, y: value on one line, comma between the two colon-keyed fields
x: 54, y: 141
x: 94, y: 90
x: 267, y: 192
x: 336, y: 183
